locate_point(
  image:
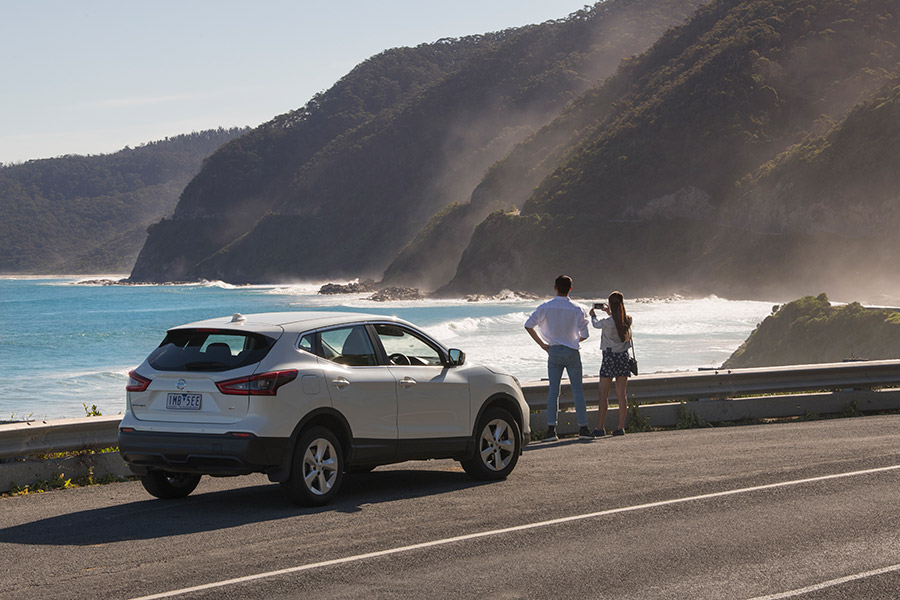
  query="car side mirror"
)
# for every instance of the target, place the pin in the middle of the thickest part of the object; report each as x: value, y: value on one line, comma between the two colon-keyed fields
x: 457, y: 357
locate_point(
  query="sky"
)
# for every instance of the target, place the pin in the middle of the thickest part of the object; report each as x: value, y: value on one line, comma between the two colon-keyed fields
x: 94, y: 76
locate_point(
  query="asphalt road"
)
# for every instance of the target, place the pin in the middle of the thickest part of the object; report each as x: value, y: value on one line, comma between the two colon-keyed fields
x: 790, y: 510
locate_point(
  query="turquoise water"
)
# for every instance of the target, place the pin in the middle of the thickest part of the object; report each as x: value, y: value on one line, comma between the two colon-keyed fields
x: 64, y: 345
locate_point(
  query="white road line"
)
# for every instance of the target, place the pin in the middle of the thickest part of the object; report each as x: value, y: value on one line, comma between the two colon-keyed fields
x: 495, y: 532
x: 828, y: 584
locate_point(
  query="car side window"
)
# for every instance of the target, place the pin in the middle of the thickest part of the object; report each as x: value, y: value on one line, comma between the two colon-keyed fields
x: 308, y: 343
x: 349, y: 346
x: 405, y: 348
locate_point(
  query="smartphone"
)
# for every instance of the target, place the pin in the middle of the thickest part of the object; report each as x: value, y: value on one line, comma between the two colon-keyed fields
x: 599, y: 305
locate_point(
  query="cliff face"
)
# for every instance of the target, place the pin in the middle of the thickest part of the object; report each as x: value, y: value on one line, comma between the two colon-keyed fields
x: 811, y: 330
x: 254, y: 174
x: 751, y: 151
x: 342, y: 185
x: 592, y: 44
x: 748, y: 153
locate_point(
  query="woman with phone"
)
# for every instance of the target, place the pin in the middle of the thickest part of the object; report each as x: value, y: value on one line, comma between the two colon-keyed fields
x: 615, y: 340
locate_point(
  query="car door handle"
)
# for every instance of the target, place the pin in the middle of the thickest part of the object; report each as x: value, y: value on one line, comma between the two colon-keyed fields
x: 408, y: 381
x: 340, y: 383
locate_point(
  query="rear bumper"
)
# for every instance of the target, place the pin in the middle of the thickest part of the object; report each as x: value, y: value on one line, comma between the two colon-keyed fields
x: 212, y: 454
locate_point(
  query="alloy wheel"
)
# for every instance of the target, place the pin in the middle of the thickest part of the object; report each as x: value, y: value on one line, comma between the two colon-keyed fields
x: 320, y: 467
x: 497, y: 445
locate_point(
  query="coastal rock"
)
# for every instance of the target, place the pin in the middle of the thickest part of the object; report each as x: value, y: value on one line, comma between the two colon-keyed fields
x: 504, y: 295
x: 129, y: 282
x: 393, y: 294
x: 812, y: 330
x: 656, y: 299
x: 102, y: 282
x: 357, y: 287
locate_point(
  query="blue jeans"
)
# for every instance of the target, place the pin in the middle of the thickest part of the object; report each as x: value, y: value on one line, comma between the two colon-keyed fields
x: 559, y: 358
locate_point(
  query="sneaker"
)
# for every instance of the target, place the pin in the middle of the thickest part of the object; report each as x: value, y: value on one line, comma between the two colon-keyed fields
x: 551, y: 434
x: 598, y: 433
x: 619, y: 432
x: 585, y: 434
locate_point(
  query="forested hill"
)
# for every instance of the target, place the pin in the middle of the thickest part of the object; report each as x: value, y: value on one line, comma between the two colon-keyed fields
x: 752, y: 152
x: 89, y: 214
x: 747, y: 148
x: 340, y: 186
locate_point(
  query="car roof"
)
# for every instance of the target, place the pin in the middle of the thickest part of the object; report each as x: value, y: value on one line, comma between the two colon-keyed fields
x: 288, y: 321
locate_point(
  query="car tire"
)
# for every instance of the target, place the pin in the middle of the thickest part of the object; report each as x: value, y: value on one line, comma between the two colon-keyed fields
x: 498, y: 443
x: 168, y: 486
x: 365, y: 469
x: 317, y: 469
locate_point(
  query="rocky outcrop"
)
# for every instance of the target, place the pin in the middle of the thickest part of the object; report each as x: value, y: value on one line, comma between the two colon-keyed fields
x: 812, y: 330
x: 357, y: 287
x: 394, y: 294
x: 503, y: 296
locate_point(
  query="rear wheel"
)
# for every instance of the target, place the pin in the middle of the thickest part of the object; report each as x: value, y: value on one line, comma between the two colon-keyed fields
x: 317, y: 469
x: 167, y: 486
x: 366, y: 469
x: 498, y: 443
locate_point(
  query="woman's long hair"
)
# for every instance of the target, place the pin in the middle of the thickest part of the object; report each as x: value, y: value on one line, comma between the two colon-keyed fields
x: 620, y: 317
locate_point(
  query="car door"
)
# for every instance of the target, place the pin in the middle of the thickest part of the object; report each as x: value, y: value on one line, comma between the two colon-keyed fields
x: 361, y: 389
x: 432, y: 399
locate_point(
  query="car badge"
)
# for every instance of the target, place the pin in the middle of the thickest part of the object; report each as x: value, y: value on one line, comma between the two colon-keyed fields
x: 181, y: 384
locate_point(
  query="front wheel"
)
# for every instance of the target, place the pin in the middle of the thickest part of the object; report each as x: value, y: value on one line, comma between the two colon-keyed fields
x: 317, y: 469
x: 167, y: 486
x: 498, y: 443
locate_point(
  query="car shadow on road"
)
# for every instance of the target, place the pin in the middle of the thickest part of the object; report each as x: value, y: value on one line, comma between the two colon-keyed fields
x: 212, y: 511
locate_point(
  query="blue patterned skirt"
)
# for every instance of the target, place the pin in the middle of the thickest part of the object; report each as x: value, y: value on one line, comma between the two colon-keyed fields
x: 615, y: 364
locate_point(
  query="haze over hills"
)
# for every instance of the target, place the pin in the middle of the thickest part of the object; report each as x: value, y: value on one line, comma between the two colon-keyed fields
x: 747, y: 148
x: 339, y: 187
x: 727, y: 159
x: 88, y: 214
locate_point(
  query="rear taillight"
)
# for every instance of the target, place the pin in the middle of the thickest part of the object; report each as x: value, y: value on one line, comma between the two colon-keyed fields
x: 136, y: 383
x: 264, y: 384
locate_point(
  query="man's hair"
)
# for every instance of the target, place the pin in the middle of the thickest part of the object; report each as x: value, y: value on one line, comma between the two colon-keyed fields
x: 563, y: 285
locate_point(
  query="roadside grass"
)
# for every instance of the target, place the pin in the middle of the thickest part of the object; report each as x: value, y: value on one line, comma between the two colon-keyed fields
x: 59, y: 481
x: 638, y: 423
x: 688, y: 419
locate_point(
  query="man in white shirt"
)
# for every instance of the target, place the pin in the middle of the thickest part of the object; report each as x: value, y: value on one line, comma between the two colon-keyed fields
x: 563, y: 325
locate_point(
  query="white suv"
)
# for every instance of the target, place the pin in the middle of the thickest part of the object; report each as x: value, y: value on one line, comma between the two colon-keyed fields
x: 307, y: 396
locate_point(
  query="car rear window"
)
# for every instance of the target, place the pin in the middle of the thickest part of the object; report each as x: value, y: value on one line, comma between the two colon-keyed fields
x: 209, y: 350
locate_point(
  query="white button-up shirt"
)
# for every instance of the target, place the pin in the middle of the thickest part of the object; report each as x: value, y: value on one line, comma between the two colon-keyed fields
x: 560, y: 322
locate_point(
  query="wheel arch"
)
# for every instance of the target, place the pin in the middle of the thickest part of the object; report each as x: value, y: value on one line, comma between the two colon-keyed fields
x: 325, y: 417
x: 500, y: 400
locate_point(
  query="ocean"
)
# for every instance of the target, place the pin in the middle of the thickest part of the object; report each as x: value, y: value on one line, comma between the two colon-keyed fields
x: 65, y: 346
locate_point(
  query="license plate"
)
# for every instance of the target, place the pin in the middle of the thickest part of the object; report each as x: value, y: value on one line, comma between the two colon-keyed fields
x: 184, y: 401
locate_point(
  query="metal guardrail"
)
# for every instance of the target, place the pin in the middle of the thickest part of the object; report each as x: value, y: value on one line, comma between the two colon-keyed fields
x: 64, y: 435
x: 31, y: 438
x: 731, y: 383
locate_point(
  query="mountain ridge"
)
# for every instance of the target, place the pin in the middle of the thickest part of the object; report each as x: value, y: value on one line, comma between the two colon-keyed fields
x: 655, y: 161
x: 89, y: 214
x: 376, y: 184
